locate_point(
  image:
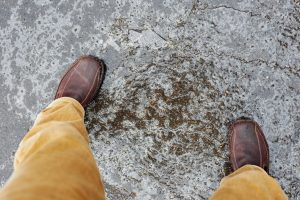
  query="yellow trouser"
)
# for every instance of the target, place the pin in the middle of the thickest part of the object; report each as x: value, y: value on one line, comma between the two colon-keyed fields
x: 249, y: 182
x: 54, y: 162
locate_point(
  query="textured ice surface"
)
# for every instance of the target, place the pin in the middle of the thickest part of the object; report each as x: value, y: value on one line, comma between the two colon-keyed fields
x: 178, y: 72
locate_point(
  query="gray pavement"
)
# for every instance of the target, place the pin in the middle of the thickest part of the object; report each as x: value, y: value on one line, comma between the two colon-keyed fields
x: 178, y: 72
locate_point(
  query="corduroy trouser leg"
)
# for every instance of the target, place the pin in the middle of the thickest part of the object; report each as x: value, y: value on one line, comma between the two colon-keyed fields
x: 248, y: 183
x: 54, y: 160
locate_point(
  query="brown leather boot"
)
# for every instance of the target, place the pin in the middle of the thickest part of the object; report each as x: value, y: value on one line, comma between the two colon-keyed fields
x: 82, y: 80
x: 248, y: 145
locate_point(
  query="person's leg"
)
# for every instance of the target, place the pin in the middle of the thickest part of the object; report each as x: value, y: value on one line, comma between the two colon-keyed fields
x: 249, y: 182
x: 249, y: 156
x: 54, y: 160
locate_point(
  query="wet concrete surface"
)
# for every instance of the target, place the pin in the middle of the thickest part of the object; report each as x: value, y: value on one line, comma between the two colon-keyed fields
x: 178, y: 72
